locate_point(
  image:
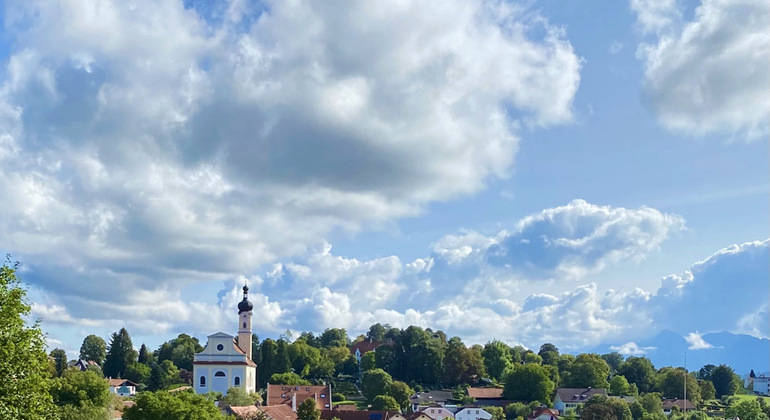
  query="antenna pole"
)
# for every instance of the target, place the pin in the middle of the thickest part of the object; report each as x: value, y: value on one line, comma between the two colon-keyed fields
x: 685, y: 382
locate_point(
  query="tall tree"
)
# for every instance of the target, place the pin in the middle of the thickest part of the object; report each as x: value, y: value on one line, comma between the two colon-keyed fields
x: 613, y: 359
x: 145, y: 356
x: 588, y: 370
x: 24, y: 381
x: 707, y: 390
x: 375, y: 382
x: 639, y: 371
x: 282, y: 358
x: 723, y: 378
x: 334, y: 337
x: 137, y: 372
x: 93, y: 348
x: 619, y: 386
x: 528, y: 382
x: 269, y: 353
x: 120, y: 355
x: 400, y: 392
x: 497, y: 358
x: 456, y: 362
x: 81, y: 389
x: 377, y: 332
x: 746, y: 410
x: 671, y: 384
x: 180, y: 350
x: 600, y: 407
x: 307, y: 410
x: 60, y: 360
x: 549, y: 353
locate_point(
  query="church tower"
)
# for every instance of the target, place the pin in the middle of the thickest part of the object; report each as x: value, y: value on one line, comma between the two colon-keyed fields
x: 244, y: 322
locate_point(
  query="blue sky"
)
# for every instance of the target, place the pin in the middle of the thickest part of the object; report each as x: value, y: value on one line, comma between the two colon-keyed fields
x: 571, y: 172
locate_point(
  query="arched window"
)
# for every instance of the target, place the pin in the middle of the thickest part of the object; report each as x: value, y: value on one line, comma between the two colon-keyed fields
x: 220, y: 374
x: 244, y: 325
x: 237, y: 381
x: 203, y: 381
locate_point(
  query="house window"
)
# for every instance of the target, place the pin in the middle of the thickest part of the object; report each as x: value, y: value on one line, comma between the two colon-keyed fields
x: 237, y: 381
x: 296, y: 388
x: 220, y: 374
x: 220, y: 347
x: 283, y: 395
x: 323, y: 395
x: 203, y: 382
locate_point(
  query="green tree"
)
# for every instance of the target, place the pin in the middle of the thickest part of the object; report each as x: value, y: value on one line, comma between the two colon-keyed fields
x: 120, y: 354
x: 238, y: 397
x: 145, y: 356
x: 304, y: 358
x: 671, y: 384
x: 171, y: 372
x: 614, y: 360
x: 639, y: 371
x: 71, y: 412
x: 80, y: 389
x: 532, y: 357
x: 497, y: 358
x: 746, y: 410
x: 516, y: 410
x: 385, y: 402
x: 637, y: 411
x: 723, y: 378
x: 588, y: 370
x: 164, y: 405
x: 385, y: 358
x: 705, y: 372
x: 600, y: 407
x: 24, y: 379
x: 375, y: 382
x: 334, y: 337
x: 707, y: 391
x: 288, y: 378
x: 180, y: 350
x: 138, y: 373
x: 528, y: 382
x: 497, y: 412
x: 549, y: 353
x: 93, y: 348
x: 619, y: 386
x: 282, y: 358
x: 368, y: 361
x: 651, y: 402
x: 60, y: 360
x: 267, y: 367
x: 157, y: 380
x: 400, y: 392
x: 377, y: 332
x: 457, y: 363
x: 307, y: 410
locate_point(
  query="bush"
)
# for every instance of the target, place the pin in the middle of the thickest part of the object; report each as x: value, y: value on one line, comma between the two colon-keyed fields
x: 337, y: 397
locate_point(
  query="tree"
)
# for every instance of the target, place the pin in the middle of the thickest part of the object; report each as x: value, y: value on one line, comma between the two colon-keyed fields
x: 288, y: 378
x: 651, y: 402
x: 614, y: 360
x: 619, y: 386
x: 746, y: 410
x: 459, y: 365
x: 528, y: 382
x: 334, y: 337
x: 639, y: 371
x: 60, y: 360
x: 549, y: 353
x: 268, y: 353
x: 307, y: 410
x: 723, y: 378
x: 706, y: 371
x: 368, y: 361
x: 93, y: 348
x: 496, y: 412
x: 304, y: 358
x: 707, y: 391
x: 532, y: 357
x: 282, y: 359
x: 588, y: 370
x: 24, y: 380
x: 80, y: 389
x: 386, y: 403
x: 120, y: 354
x: 181, y: 350
x: 172, y: 405
x: 497, y: 358
x: 672, y: 384
x: 400, y: 392
x: 600, y: 407
x: 157, y: 380
x: 516, y: 410
x: 138, y: 373
x: 145, y: 356
x: 377, y: 332
x: 238, y: 397
x: 375, y: 382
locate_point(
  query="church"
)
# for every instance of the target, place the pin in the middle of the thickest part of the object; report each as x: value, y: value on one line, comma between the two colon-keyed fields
x: 224, y: 363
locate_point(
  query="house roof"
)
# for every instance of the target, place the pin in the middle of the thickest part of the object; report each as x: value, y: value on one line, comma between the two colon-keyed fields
x: 668, y: 403
x: 242, y: 410
x: 366, y: 346
x: 358, y: 415
x: 485, y: 393
x: 283, y: 394
x: 120, y: 382
x: 578, y: 394
x: 279, y: 412
x: 416, y: 415
x: 544, y: 410
x: 431, y: 397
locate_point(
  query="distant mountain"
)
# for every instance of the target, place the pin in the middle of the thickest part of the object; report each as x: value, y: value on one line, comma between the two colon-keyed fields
x: 742, y: 352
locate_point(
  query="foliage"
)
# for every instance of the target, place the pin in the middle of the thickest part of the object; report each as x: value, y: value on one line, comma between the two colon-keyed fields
x: 267, y: 366
x: 377, y: 332
x: 93, y: 348
x: 164, y: 405
x: 619, y: 386
x: 368, y: 361
x: 517, y: 409
x: 120, y: 354
x: 614, y: 360
x: 337, y: 397
x: 385, y: 402
x: 497, y: 358
x: 588, y: 370
x: 60, y: 360
x: 671, y: 384
x: 71, y: 412
x: 496, y: 412
x: 80, y: 389
x: 600, y: 407
x: 651, y: 402
x: 723, y: 378
x: 528, y: 383
x: 24, y: 379
x: 304, y: 358
x: 746, y: 410
x: 307, y: 410
x: 282, y: 359
x: 707, y: 391
x: 530, y: 357
x: 181, y: 351
x: 145, y: 356
x: 400, y: 392
x: 334, y: 337
x: 461, y: 364
x: 239, y: 397
x: 288, y: 378
x: 138, y: 373
x: 639, y: 371
x: 375, y: 382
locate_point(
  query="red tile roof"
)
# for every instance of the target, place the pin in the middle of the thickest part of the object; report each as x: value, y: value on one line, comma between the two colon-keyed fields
x: 357, y: 415
x: 675, y: 402
x: 283, y: 394
x: 544, y: 410
x: 485, y: 393
x: 279, y: 412
x: 367, y: 346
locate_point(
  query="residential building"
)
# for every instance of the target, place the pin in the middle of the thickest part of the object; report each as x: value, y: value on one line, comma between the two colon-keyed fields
x: 569, y: 399
x: 488, y: 396
x: 668, y: 405
x: 363, y: 347
x: 294, y: 395
x: 425, y: 399
x: 223, y: 363
x: 361, y: 415
x: 438, y: 412
x: 544, y: 413
x: 472, y: 413
x: 122, y: 387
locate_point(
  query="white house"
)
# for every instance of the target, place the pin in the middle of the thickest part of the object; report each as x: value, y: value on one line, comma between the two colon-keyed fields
x: 437, y: 412
x: 472, y: 413
x: 122, y: 387
x: 569, y: 399
x: 223, y: 363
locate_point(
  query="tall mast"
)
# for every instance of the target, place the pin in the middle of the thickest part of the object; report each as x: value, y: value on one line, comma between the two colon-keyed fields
x: 685, y: 382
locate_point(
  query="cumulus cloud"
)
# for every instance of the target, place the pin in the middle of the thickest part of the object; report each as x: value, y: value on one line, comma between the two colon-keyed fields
x: 631, y: 349
x: 150, y: 145
x: 696, y: 341
x: 708, y: 74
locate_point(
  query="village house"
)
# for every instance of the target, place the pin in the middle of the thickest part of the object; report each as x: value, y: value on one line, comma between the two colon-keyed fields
x: 421, y: 400
x: 294, y: 395
x: 488, y: 396
x: 544, y: 413
x: 472, y: 412
x: 438, y: 412
x: 569, y: 399
x: 122, y: 387
x: 361, y: 415
x: 668, y: 405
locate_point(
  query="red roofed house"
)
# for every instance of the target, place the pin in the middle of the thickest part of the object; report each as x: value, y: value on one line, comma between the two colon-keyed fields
x: 569, y: 399
x: 294, y: 395
x: 544, y: 413
x: 363, y: 347
x: 362, y: 415
x: 488, y: 396
x: 683, y: 405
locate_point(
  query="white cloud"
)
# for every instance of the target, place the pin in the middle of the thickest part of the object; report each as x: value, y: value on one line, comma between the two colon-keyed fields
x: 631, y: 349
x: 696, y: 341
x: 708, y: 75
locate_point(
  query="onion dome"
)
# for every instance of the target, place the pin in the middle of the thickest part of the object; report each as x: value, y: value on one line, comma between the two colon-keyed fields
x: 245, y: 305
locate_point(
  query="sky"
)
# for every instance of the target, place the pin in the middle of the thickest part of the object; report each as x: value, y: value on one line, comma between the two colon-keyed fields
x: 579, y: 172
